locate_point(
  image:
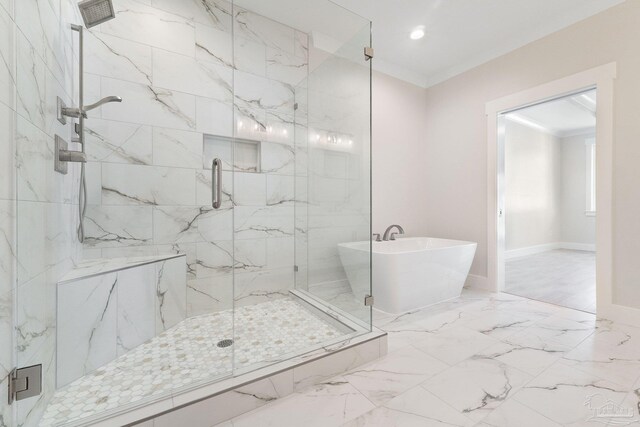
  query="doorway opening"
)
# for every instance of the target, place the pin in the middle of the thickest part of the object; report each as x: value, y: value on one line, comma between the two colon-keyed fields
x: 547, y: 199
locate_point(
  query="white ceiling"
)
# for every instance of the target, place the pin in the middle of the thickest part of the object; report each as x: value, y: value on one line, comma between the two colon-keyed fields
x: 571, y: 115
x: 460, y: 34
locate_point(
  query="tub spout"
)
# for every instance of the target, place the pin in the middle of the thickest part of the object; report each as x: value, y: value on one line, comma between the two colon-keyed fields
x: 388, y: 235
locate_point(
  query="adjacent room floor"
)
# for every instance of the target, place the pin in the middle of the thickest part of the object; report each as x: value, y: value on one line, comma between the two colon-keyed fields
x: 482, y: 359
x: 563, y: 277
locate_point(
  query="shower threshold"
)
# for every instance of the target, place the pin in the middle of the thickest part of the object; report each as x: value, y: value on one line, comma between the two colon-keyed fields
x: 187, y: 357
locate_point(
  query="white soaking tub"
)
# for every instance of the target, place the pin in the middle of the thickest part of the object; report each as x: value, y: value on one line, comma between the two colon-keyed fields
x: 408, y: 273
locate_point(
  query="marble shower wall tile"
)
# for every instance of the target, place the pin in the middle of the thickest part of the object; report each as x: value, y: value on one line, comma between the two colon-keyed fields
x: 260, y: 29
x: 269, y: 95
x: 45, y: 239
x: 184, y: 74
x: 7, y: 60
x: 7, y: 246
x: 254, y: 288
x: 150, y: 177
x: 117, y: 142
x: 152, y: 27
x: 251, y: 222
x: 278, y: 158
x: 177, y: 224
x: 175, y: 148
x: 87, y: 326
x: 209, y: 295
x: 212, y: 13
x: 250, y: 56
x: 285, y: 67
x: 30, y: 82
x: 149, y: 105
x: 8, y: 7
x: 7, y: 152
x: 6, y: 334
x: 171, y: 293
x: 105, y: 316
x: 214, y: 117
x: 214, y: 258
x: 135, y: 311
x: 118, y: 226
x: 117, y: 58
x: 37, y: 20
x: 147, y: 185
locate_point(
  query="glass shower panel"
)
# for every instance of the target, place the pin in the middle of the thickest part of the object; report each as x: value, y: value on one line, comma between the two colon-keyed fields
x: 288, y: 217
x: 144, y: 302
x: 336, y: 189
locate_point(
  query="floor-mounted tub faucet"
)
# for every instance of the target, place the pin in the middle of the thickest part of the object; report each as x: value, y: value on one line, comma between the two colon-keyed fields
x: 392, y: 236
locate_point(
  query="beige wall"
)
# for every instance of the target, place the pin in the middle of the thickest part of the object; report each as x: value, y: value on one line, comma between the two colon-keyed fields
x: 577, y: 227
x: 533, y: 187
x: 399, y: 115
x: 455, y: 180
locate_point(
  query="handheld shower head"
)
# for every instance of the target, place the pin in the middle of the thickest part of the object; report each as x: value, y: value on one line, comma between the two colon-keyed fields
x: 95, y: 12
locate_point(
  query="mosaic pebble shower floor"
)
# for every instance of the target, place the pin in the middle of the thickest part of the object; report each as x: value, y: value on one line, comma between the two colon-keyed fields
x: 188, y: 353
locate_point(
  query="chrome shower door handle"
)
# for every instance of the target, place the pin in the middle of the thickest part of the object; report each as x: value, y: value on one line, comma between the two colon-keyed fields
x: 216, y: 183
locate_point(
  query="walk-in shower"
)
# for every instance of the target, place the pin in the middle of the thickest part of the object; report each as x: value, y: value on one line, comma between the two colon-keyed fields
x: 214, y: 191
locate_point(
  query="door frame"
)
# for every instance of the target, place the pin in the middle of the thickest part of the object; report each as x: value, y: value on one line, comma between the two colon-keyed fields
x: 601, y: 78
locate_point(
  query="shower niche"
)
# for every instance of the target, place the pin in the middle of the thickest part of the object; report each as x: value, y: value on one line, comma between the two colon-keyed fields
x: 127, y: 322
x: 242, y: 155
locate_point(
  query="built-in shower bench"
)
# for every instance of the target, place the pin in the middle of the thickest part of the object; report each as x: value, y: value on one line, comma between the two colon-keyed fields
x: 93, y: 267
x: 106, y: 307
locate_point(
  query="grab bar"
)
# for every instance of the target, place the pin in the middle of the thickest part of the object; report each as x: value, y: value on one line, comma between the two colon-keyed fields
x: 216, y: 183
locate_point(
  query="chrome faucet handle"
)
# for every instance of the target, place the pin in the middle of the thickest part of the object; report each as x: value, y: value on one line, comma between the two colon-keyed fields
x: 393, y: 236
x: 377, y: 236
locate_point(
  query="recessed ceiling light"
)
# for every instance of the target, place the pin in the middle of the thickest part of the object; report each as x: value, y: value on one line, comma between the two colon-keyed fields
x: 417, y: 33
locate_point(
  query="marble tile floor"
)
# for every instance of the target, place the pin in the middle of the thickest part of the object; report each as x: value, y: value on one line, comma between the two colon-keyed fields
x: 483, y: 359
x: 563, y: 277
x: 188, y: 354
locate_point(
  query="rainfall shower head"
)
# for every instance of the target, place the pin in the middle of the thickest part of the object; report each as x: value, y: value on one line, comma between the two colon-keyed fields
x: 96, y: 12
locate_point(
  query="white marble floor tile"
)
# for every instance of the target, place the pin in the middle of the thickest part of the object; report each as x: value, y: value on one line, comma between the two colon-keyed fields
x: 513, y: 413
x: 391, y: 376
x: 612, y: 353
x: 475, y: 387
x: 422, y: 403
x: 556, y: 368
x: 386, y: 417
x: 553, y: 331
x: 568, y: 395
x: 455, y: 344
x: 532, y: 359
x: 498, y: 324
x: 331, y: 403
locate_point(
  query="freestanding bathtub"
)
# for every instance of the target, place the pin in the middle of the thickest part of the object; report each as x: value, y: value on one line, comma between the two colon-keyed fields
x: 408, y: 273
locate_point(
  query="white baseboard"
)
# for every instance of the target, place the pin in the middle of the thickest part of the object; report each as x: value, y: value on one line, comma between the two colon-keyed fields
x: 589, y: 247
x: 477, y: 282
x: 532, y: 250
x: 618, y: 313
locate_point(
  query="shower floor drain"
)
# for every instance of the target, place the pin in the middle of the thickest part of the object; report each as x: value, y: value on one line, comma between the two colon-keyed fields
x: 224, y: 343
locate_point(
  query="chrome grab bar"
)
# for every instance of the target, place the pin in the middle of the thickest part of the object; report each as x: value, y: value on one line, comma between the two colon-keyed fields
x: 216, y: 183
